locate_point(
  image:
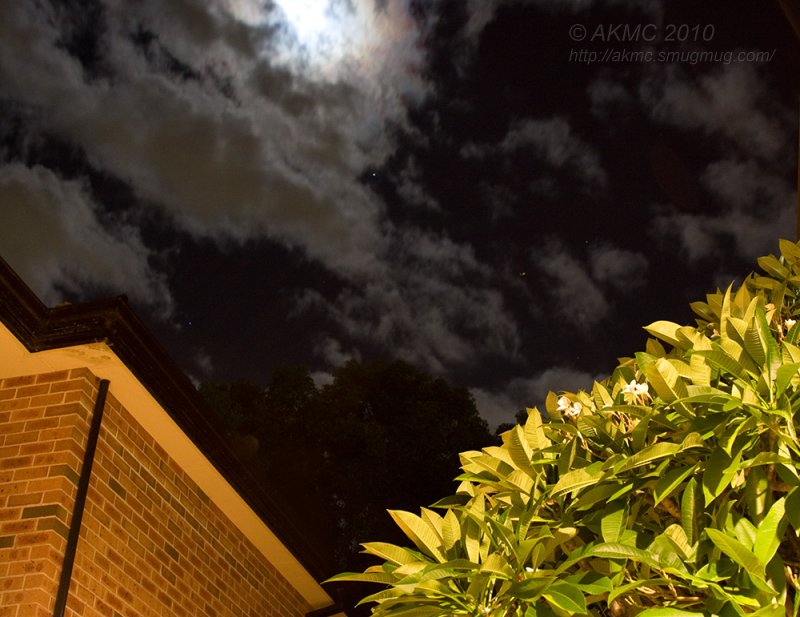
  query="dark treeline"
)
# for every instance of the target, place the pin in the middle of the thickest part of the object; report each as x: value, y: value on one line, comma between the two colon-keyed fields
x: 382, y: 435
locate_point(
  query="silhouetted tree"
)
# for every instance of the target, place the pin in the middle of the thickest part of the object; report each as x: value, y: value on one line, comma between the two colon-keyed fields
x: 381, y: 435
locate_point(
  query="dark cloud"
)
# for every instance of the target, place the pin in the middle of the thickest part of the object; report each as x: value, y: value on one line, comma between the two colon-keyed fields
x: 52, y: 236
x: 580, y: 291
x: 553, y: 142
x: 434, y: 305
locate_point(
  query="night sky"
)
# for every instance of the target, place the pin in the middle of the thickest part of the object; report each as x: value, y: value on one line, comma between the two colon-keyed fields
x: 462, y: 185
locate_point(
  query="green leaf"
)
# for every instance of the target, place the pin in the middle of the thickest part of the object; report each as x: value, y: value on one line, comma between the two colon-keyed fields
x: 772, y: 266
x: 669, y: 482
x: 529, y: 589
x: 390, y: 552
x: 793, y: 508
x: 690, y: 510
x: 472, y: 532
x: 451, y: 530
x: 680, y: 541
x: 666, y: 381
x: 770, y: 532
x: 516, y: 443
x: 773, y: 354
x: 784, y: 376
x: 534, y: 432
x: 613, y: 522
x: 773, y: 610
x: 566, y: 597
x: 755, y: 345
x: 738, y: 552
x: 386, y: 578
x: 419, y: 532
x: 666, y: 331
x: 757, y: 493
x: 578, y: 478
x: 498, y: 565
x: 723, y: 361
x: 596, y: 494
x: 789, y: 250
x: 648, y: 455
x: 601, y: 396
x: 590, y: 583
x: 718, y: 474
x: 615, y: 550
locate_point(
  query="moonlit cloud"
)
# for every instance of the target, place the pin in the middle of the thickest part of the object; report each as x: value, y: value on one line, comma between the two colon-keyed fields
x: 623, y: 270
x: 731, y: 101
x: 273, y: 154
x: 757, y: 208
x: 372, y: 46
x: 434, y: 306
x: 554, y: 142
x: 574, y: 296
x: 582, y: 293
x: 752, y: 131
x: 51, y: 235
x: 500, y: 405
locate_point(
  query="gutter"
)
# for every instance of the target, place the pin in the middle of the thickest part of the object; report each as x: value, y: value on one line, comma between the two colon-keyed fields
x: 80, y: 501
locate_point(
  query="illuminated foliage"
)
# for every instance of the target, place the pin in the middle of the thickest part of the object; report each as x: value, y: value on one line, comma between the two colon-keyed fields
x: 672, y: 488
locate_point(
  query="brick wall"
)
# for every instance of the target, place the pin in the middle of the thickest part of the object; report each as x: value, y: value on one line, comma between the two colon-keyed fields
x: 151, y: 542
x: 44, y: 420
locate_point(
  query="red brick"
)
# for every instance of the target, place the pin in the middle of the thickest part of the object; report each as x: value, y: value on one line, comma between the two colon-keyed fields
x: 53, y: 376
x: 47, y: 399
x: 152, y: 543
x: 14, y: 382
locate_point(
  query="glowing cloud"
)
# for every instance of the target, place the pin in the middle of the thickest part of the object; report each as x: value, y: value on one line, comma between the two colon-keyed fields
x: 372, y: 46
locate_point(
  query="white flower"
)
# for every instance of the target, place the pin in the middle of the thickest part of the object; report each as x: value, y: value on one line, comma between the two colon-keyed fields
x: 636, y: 393
x: 789, y: 323
x: 568, y: 408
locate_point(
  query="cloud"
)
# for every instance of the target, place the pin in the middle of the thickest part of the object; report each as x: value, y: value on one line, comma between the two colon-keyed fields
x: 192, y: 114
x: 574, y: 295
x: 607, y: 95
x: 501, y: 405
x: 732, y: 102
x: 190, y: 108
x: 622, y: 269
x: 333, y: 353
x: 554, y: 142
x: 410, y: 187
x: 579, y: 292
x: 52, y: 237
x: 434, y: 305
x: 757, y: 209
x: 754, y: 134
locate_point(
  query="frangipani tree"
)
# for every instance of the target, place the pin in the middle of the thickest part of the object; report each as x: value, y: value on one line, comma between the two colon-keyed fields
x: 672, y: 488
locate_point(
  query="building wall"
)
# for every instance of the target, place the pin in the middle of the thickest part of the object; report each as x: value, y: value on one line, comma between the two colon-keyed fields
x: 152, y: 543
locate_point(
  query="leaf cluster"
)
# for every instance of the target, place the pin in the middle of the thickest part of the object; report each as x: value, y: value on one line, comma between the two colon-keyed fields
x: 671, y: 488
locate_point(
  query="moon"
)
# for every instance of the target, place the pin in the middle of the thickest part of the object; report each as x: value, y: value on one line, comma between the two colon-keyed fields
x: 371, y: 46
x: 323, y: 38
x: 311, y: 20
